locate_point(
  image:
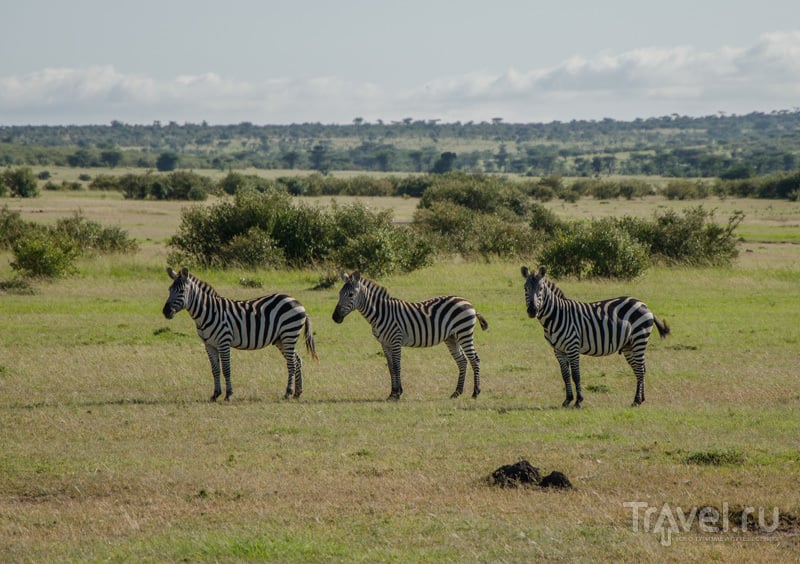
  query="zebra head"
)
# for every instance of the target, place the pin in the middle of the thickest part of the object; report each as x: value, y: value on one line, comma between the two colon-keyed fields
x: 177, y: 292
x: 349, y: 295
x: 533, y: 290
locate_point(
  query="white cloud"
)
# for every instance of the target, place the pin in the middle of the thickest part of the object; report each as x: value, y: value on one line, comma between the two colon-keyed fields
x: 637, y: 83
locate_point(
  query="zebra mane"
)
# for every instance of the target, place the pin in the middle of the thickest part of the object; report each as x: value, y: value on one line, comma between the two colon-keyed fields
x: 557, y: 292
x: 375, y: 289
x: 204, y: 286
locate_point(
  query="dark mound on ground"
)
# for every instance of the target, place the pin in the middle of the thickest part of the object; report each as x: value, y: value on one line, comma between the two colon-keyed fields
x: 555, y: 479
x: 514, y: 475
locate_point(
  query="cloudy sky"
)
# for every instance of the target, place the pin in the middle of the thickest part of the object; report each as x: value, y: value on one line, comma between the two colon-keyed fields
x: 330, y: 61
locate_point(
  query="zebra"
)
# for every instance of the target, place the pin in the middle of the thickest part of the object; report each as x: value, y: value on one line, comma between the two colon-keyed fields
x: 396, y: 323
x: 223, y: 323
x: 600, y: 328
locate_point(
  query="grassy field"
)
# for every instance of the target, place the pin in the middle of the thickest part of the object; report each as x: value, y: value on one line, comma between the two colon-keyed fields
x: 111, y: 450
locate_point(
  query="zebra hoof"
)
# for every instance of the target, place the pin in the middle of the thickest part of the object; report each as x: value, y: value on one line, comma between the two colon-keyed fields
x: 566, y: 402
x: 455, y: 394
x: 475, y: 394
x: 393, y: 397
x: 577, y: 405
x: 297, y: 395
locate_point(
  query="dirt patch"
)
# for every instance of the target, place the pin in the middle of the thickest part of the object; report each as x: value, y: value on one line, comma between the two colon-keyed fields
x: 754, y: 521
x: 523, y: 473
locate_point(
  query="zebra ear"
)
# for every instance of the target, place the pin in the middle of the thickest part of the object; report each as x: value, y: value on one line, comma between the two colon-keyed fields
x: 356, y: 276
x: 542, y: 272
x: 524, y: 270
x: 185, y: 272
x: 343, y: 275
x: 171, y: 273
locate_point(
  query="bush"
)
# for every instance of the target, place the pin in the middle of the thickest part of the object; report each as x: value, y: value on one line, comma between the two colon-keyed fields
x: 104, y: 182
x: 452, y: 228
x: 42, y: 255
x: 602, y: 249
x: 693, y: 239
x: 90, y: 235
x: 253, y: 249
x: 20, y: 182
x: 686, y: 190
x: 268, y: 230
x: 385, y: 251
x: 13, y: 228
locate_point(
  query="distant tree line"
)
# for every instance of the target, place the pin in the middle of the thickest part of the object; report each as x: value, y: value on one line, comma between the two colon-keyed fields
x: 678, y: 146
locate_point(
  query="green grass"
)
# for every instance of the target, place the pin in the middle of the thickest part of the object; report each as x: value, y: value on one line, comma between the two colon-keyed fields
x: 111, y: 450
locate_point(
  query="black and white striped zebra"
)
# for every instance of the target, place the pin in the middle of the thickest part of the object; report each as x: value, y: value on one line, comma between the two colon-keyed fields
x: 223, y: 323
x: 600, y: 328
x: 396, y: 324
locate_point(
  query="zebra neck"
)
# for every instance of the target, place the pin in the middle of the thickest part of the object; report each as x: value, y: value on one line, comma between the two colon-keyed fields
x: 373, y: 296
x: 199, y: 302
x: 551, y: 302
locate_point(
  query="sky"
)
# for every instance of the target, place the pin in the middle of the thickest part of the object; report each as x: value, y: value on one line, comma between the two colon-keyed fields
x: 298, y: 61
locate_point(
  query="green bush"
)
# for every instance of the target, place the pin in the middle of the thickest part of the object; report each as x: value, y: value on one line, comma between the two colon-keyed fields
x: 21, y: 182
x: 686, y: 190
x: 43, y: 255
x: 278, y: 232
x: 602, y: 249
x: 13, y: 228
x: 253, y: 249
x: 90, y: 235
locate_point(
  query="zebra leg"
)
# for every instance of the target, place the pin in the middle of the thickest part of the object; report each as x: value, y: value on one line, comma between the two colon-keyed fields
x: 461, y: 360
x: 475, y: 362
x: 392, y: 353
x: 636, y: 360
x: 563, y: 362
x: 298, y: 376
x: 213, y: 358
x: 291, y: 369
x: 575, y: 366
x: 225, y: 359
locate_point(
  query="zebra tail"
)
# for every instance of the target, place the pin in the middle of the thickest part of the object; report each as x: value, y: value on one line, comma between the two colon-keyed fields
x: 663, y: 328
x: 482, y: 321
x: 310, y: 340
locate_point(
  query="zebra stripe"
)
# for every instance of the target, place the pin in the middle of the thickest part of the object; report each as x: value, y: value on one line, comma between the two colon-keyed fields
x: 600, y: 328
x: 223, y: 324
x: 396, y: 324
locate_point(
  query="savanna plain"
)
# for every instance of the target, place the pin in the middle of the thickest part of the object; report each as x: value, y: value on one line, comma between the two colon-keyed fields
x: 112, y: 451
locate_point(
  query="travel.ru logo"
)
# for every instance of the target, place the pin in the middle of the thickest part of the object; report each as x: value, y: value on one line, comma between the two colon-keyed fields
x: 711, y: 523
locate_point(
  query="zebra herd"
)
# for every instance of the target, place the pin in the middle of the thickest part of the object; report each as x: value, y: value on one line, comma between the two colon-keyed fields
x: 572, y: 328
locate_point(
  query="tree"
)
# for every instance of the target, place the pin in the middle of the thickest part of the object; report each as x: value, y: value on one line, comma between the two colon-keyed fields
x: 21, y: 182
x: 167, y: 162
x: 111, y: 157
x: 444, y: 163
x: 319, y: 158
x: 80, y: 158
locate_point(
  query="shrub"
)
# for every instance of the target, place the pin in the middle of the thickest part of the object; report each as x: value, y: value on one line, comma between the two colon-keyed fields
x: 20, y: 182
x: 267, y: 229
x: 692, y: 239
x: 104, y: 182
x: 90, y: 235
x: 384, y: 251
x: 685, y: 190
x: 13, y: 228
x: 42, y: 255
x: 601, y: 249
x: 252, y: 249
